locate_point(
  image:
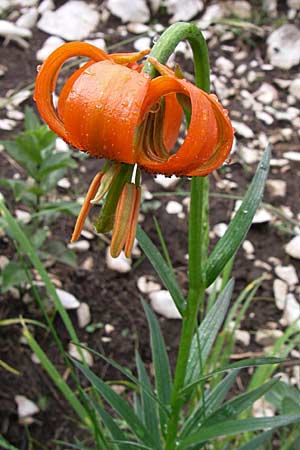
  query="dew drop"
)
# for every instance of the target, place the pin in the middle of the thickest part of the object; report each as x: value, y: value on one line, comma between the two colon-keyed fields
x: 38, y: 68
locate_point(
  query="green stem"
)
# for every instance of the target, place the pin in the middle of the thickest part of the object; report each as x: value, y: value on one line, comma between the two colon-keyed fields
x: 198, y: 223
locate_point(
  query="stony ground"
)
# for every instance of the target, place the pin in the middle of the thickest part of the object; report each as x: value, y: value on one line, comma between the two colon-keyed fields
x: 255, y: 55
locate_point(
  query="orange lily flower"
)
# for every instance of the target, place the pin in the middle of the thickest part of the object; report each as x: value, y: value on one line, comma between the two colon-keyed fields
x: 110, y: 109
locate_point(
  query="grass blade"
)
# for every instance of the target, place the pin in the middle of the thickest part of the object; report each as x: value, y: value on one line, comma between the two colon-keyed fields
x: 120, y: 405
x: 240, y: 224
x: 231, y: 427
x: 163, y: 381
x: 149, y: 407
x: 162, y: 269
x: 256, y: 442
x: 212, y: 401
x: 207, y: 333
x: 56, y: 377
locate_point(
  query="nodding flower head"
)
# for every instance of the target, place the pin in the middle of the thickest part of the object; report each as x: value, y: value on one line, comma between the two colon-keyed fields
x: 110, y: 109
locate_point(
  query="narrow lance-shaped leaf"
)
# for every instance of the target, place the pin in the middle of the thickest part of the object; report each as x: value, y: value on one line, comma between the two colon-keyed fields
x: 163, y: 381
x: 118, y: 404
x: 240, y: 224
x: 207, y: 333
x: 231, y: 427
x: 255, y: 443
x: 162, y: 269
x: 212, y: 401
x: 149, y: 406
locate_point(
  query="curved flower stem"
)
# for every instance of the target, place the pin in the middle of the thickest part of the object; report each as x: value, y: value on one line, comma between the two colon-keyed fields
x: 198, y: 221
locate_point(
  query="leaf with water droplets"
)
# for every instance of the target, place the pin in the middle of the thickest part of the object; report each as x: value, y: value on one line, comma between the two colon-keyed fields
x: 240, y: 224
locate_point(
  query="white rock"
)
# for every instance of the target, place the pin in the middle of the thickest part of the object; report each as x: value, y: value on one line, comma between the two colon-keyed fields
x: 249, y: 155
x: 83, y: 315
x: 142, y: 43
x: 242, y: 336
x: 15, y: 115
x: 26, y: 407
x: 212, y: 12
x: 11, y: 32
x: 163, y: 304
x: 288, y: 274
x: 64, y: 183
x: 28, y: 19
x: 280, y: 289
x: 270, y: 6
x: 267, y: 337
x: 220, y: 228
x: 74, y: 20
x: 292, y: 311
x: 23, y: 216
x: 146, y: 285
x: 75, y: 352
x: 242, y: 129
x: 120, y: 264
x: 99, y: 43
x: 20, y: 97
x: 293, y: 247
x: 166, y: 182
x: 224, y: 66
x: 183, y: 10
x: 293, y: 4
x: 7, y: 124
x: 265, y: 117
x: 284, y: 47
x: 50, y: 44
x: 79, y: 246
x: 4, y: 5
x: 46, y: 5
x: 108, y: 328
x: 262, y: 216
x: 88, y: 263
x: 277, y: 188
x: 174, y: 207
x: 132, y: 11
x: 248, y: 247
x: 266, y: 94
x: 262, y: 408
x: 68, y: 300
x: 292, y: 156
x: 289, y: 114
x: 238, y: 8
x: 294, y: 88
x: 137, y: 28
x: 61, y: 145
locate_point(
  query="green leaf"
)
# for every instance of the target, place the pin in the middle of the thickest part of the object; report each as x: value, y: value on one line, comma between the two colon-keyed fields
x: 60, y: 253
x: 149, y: 406
x: 240, y: 403
x: 255, y: 443
x: 240, y: 224
x: 109, y: 423
x: 162, y: 269
x: 244, y: 363
x: 19, y: 188
x: 31, y: 120
x: 162, y: 371
x: 212, y: 401
x: 231, y: 427
x: 49, y: 209
x: 55, y: 162
x: 128, y: 374
x: 56, y: 377
x: 207, y: 333
x: 285, y: 398
x: 12, y: 275
x: 23, y: 156
x: 118, y: 404
x: 6, y: 445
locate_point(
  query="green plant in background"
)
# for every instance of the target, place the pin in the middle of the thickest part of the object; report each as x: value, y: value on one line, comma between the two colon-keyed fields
x: 188, y: 409
x: 43, y: 167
